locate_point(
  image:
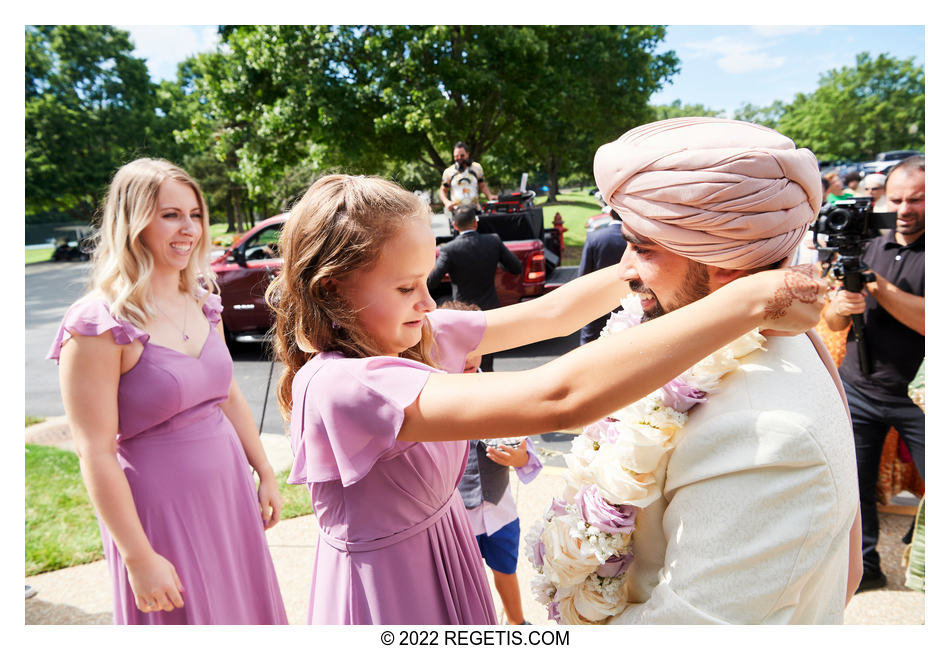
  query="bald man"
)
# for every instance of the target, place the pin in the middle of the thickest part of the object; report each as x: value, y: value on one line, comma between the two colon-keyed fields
x: 756, y: 521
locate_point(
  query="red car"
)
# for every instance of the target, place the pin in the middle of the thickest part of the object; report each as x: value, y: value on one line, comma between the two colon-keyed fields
x: 244, y: 271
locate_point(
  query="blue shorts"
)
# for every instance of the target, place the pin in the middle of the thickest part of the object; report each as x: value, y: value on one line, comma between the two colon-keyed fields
x: 500, y: 549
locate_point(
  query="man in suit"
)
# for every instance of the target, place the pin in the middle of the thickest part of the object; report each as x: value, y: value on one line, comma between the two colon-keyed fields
x: 756, y: 519
x: 470, y: 260
x: 603, y: 247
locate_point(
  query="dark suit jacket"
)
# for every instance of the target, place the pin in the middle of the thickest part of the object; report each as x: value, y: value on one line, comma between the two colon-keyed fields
x: 470, y: 260
x: 603, y: 247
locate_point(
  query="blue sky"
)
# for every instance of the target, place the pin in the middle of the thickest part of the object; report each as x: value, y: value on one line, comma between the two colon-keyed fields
x: 721, y: 66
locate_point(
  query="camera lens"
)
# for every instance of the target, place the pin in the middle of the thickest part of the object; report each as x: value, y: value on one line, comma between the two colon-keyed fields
x: 838, y: 220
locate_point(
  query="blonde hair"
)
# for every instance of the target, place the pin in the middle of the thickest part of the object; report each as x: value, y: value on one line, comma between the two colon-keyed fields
x: 338, y: 227
x: 122, y: 264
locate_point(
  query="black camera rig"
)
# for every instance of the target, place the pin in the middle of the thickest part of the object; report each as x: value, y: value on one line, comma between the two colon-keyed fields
x: 847, y: 226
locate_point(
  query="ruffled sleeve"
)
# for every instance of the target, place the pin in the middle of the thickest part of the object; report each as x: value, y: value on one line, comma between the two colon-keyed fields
x: 212, y: 308
x: 347, y: 414
x: 92, y: 318
x: 456, y: 334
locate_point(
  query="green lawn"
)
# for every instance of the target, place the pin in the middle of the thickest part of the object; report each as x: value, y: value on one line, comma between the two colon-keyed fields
x: 575, y: 208
x: 34, y: 255
x: 61, y: 527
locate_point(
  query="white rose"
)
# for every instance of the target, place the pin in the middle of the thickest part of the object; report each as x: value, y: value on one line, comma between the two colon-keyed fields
x: 622, y: 486
x: 746, y: 344
x: 639, y: 449
x: 543, y: 589
x: 591, y: 602
x: 705, y: 374
x: 578, y: 464
x: 598, y: 598
x: 650, y: 410
x: 568, y: 557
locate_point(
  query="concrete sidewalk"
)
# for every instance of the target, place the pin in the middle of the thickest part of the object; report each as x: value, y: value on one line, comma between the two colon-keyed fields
x: 82, y: 595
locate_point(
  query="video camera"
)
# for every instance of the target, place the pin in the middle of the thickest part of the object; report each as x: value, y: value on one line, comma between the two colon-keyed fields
x: 847, y: 226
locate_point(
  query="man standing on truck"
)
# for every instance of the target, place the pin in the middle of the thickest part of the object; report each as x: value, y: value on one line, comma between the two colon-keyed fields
x: 462, y: 182
x: 470, y: 260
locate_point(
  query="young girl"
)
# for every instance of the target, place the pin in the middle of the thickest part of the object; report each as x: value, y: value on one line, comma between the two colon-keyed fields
x: 380, y: 411
x: 163, y: 433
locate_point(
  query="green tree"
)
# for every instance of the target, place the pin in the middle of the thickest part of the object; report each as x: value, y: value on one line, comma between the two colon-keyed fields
x: 592, y: 84
x: 678, y: 109
x: 858, y: 111
x: 766, y: 116
x: 394, y: 99
x: 90, y: 107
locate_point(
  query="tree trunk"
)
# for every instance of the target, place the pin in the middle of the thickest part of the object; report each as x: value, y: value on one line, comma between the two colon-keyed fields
x: 230, y: 206
x: 236, y: 199
x: 554, y: 164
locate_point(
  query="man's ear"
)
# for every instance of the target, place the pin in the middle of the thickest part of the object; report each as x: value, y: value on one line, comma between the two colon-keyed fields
x: 720, y: 277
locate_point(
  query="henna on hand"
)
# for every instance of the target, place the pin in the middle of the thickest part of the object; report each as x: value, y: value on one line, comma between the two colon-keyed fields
x: 800, y: 284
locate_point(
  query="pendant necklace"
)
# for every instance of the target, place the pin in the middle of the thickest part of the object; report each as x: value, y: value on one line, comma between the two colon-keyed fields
x: 184, y: 320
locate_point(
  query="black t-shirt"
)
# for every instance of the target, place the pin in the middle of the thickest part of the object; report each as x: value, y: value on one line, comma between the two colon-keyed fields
x: 895, y: 350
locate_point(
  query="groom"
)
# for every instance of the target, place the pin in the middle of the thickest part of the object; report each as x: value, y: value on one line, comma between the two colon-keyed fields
x: 755, y: 523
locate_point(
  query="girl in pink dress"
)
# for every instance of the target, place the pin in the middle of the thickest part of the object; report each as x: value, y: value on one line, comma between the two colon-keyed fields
x: 379, y: 409
x: 165, y: 437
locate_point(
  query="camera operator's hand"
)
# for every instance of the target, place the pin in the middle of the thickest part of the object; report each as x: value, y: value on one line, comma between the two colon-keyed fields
x: 846, y: 303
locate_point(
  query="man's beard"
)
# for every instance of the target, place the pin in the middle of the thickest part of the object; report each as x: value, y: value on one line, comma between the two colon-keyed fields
x: 695, y: 286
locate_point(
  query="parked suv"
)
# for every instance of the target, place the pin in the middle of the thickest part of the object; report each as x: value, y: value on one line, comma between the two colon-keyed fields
x: 887, y: 159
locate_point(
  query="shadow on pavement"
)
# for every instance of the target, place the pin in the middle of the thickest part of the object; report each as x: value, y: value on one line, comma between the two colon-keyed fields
x: 41, y: 612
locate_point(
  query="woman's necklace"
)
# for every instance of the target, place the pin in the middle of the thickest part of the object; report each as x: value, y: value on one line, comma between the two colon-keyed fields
x: 184, y: 320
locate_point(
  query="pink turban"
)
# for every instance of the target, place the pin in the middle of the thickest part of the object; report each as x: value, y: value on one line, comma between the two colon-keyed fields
x: 722, y: 192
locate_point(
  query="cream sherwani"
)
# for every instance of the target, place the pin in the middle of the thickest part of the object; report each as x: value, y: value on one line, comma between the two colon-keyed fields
x: 759, y: 496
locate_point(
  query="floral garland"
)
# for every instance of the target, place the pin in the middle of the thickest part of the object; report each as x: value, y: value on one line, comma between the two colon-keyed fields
x: 583, y: 545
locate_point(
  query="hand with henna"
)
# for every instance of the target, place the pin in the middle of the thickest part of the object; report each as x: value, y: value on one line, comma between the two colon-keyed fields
x: 797, y: 298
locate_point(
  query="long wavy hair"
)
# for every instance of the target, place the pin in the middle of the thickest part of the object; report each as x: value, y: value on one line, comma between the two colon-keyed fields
x: 122, y: 264
x: 338, y: 227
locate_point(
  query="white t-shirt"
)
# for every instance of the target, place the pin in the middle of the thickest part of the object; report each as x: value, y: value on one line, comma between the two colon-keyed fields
x: 463, y: 186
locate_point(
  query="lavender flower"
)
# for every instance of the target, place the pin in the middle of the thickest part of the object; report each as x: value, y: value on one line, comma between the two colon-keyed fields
x: 554, y: 613
x: 603, y: 430
x: 558, y: 507
x: 680, y: 396
x: 537, y: 553
x: 615, y: 566
x: 604, y: 516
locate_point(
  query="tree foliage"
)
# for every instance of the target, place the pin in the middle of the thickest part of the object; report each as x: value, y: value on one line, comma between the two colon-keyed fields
x: 90, y: 107
x: 856, y: 112
x: 394, y: 99
x: 593, y: 84
x: 678, y: 109
x: 273, y: 107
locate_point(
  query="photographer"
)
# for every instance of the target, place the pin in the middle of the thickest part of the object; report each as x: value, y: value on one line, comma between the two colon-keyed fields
x: 462, y: 181
x: 893, y: 309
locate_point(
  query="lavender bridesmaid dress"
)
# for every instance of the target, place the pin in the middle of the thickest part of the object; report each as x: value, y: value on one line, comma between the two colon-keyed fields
x: 190, y: 479
x: 395, y: 543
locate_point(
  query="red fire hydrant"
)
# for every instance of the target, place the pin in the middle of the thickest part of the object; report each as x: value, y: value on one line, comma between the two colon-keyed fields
x: 559, y: 225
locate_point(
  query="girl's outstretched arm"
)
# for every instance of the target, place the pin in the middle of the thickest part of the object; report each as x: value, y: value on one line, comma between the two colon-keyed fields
x: 605, y: 375
x: 564, y: 310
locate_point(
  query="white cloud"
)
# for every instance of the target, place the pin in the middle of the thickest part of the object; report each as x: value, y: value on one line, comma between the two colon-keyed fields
x: 749, y: 62
x: 735, y: 55
x: 165, y: 46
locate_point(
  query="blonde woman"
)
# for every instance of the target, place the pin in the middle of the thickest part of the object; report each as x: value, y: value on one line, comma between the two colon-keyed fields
x: 163, y: 433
